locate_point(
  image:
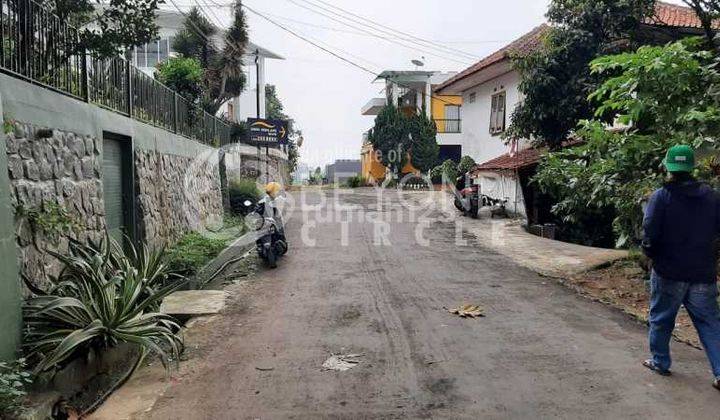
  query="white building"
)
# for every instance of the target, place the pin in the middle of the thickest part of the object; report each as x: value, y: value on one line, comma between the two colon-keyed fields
x: 147, y: 56
x: 490, y: 91
x: 412, y: 92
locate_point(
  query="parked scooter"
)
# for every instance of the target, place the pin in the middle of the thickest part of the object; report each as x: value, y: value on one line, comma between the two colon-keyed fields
x: 467, y: 199
x: 271, y: 243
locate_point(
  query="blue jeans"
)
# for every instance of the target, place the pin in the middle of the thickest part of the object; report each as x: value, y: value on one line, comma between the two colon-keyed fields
x: 700, y: 300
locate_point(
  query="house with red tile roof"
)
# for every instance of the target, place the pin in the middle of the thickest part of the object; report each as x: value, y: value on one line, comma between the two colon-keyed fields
x: 490, y: 92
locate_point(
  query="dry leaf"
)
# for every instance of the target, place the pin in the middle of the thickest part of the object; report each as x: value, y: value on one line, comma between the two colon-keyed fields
x: 468, y: 311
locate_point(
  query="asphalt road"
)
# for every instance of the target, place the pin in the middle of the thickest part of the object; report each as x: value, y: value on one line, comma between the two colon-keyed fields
x: 541, y: 352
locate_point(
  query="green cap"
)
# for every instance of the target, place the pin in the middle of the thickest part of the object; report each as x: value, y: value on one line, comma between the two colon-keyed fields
x: 680, y: 158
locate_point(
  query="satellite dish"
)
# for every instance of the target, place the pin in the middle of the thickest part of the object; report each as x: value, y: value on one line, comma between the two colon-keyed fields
x: 417, y: 63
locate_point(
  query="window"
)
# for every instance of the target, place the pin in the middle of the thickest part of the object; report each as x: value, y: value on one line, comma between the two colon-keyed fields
x: 471, y: 98
x: 452, y: 119
x: 497, y: 113
x: 140, y: 56
x: 152, y: 49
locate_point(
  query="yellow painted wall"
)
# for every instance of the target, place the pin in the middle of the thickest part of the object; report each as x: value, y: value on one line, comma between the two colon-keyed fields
x: 372, y: 169
x: 437, y: 108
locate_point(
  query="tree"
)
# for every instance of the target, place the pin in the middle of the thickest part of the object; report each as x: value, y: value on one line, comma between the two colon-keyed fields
x: 556, y: 80
x: 184, y: 75
x: 109, y: 28
x: 423, y: 144
x: 390, y: 137
x: 274, y: 109
x: 708, y: 12
x: 466, y: 164
x: 667, y: 95
x: 223, y: 78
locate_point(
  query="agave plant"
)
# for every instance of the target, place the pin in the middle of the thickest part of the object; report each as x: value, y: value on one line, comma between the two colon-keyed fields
x: 102, y: 297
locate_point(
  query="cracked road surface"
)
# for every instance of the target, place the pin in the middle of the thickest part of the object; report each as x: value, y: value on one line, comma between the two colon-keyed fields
x: 541, y: 352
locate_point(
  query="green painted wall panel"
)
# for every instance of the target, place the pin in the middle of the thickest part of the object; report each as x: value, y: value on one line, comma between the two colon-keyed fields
x: 10, y: 298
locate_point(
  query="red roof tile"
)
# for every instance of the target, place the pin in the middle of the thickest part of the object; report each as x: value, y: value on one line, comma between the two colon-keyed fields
x: 523, y: 45
x: 674, y: 15
x: 521, y: 159
x: 666, y: 14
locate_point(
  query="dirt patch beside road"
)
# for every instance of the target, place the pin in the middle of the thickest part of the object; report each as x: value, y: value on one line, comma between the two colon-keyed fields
x: 624, y: 285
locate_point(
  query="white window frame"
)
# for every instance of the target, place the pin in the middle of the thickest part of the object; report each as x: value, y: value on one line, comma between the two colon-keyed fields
x: 498, y: 105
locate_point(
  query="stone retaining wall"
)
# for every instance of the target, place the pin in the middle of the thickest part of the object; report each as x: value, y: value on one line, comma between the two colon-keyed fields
x: 52, y: 167
x: 176, y: 194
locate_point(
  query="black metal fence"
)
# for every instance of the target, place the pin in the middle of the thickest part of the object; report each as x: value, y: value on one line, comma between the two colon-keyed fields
x: 37, y: 46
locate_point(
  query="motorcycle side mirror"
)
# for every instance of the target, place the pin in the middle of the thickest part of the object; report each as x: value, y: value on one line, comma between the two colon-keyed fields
x: 247, y: 203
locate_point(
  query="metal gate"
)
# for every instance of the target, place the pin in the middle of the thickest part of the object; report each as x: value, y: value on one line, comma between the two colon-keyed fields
x: 117, y: 186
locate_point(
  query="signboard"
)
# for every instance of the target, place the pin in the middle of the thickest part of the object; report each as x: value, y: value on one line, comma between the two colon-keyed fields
x: 265, y: 132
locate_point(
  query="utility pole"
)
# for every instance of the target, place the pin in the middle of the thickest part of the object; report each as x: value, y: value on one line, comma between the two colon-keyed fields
x: 257, y: 104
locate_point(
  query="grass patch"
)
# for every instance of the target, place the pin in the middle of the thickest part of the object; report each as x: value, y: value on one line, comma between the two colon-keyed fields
x: 193, y: 251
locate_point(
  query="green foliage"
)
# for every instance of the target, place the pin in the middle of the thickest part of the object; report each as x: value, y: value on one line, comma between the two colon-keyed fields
x: 556, y: 80
x: 390, y: 137
x: 447, y: 170
x: 670, y: 95
x: 101, y: 298
x: 274, y: 109
x: 423, y: 144
x: 223, y: 77
x: 111, y: 29
x: 240, y: 190
x: 184, y: 75
x: 13, y: 381
x: 193, y: 251
x: 465, y: 165
x: 50, y: 220
x: 356, y: 182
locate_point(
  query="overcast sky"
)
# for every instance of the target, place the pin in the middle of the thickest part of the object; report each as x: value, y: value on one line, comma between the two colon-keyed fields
x: 324, y: 94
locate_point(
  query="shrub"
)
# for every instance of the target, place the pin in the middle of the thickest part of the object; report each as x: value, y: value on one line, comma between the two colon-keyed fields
x: 13, y: 380
x: 449, y: 168
x: 241, y: 190
x: 193, y: 251
x: 101, y: 298
x: 465, y: 165
x: 356, y: 182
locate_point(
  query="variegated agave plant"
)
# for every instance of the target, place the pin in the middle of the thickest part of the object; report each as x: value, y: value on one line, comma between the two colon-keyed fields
x: 104, y: 295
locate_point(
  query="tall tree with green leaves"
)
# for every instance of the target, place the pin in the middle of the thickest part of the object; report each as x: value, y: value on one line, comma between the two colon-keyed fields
x: 424, y: 149
x: 223, y: 78
x: 390, y: 137
x: 108, y: 28
x: 556, y: 79
x: 274, y: 109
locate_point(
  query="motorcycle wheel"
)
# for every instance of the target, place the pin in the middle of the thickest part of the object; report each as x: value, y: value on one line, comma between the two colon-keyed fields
x: 271, y: 258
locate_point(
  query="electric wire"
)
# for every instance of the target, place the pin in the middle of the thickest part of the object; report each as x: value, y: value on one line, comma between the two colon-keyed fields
x: 334, y: 54
x: 457, y: 59
x: 364, y: 19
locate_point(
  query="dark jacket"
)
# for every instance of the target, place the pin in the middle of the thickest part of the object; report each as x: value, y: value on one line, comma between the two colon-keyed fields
x: 681, y: 224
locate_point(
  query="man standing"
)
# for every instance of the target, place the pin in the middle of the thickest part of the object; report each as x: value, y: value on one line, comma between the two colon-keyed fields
x: 681, y: 224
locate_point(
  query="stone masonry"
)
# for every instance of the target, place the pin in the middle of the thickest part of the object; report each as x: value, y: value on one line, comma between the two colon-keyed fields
x: 48, y: 167
x: 176, y: 194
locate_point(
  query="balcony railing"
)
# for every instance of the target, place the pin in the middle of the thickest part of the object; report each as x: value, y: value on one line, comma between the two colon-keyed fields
x: 448, y: 126
x: 37, y: 46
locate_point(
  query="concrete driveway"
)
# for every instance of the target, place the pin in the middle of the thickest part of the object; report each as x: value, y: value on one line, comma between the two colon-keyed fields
x: 541, y: 351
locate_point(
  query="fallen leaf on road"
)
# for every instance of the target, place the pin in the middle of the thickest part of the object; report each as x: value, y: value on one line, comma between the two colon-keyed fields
x: 341, y: 362
x: 468, y: 311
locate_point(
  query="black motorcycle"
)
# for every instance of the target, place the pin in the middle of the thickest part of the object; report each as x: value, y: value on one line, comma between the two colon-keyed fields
x: 265, y: 220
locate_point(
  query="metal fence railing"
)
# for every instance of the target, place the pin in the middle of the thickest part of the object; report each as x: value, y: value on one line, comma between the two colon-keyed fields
x: 39, y: 47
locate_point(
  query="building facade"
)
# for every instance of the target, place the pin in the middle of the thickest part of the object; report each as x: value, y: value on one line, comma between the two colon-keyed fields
x: 342, y: 170
x: 412, y: 93
x: 250, y: 103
